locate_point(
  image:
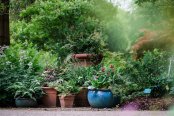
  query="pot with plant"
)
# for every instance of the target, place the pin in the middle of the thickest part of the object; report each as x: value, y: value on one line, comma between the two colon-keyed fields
x: 26, y: 92
x: 80, y: 76
x: 87, y: 52
x: 49, y: 98
x: 67, y: 91
x: 99, y: 94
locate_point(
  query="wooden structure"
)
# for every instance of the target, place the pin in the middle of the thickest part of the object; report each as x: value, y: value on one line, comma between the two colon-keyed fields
x: 4, y: 24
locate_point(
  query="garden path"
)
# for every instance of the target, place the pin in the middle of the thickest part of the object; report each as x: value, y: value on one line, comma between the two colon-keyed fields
x: 78, y: 112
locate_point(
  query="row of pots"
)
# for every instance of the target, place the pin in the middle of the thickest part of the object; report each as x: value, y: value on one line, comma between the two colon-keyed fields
x: 86, y: 98
x: 50, y: 98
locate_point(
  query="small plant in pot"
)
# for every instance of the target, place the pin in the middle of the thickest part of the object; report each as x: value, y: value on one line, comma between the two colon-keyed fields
x: 67, y: 91
x: 26, y: 92
x: 49, y: 98
x: 80, y: 75
x: 99, y: 94
x: 88, y: 51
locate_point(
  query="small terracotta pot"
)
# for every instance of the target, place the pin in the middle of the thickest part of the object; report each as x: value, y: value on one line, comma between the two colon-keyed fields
x: 87, y: 59
x: 81, y: 99
x: 50, y: 97
x: 67, y: 101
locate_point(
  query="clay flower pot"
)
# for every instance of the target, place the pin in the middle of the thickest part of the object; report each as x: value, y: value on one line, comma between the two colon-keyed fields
x: 81, y: 99
x: 87, y: 59
x: 50, y: 97
x: 67, y: 101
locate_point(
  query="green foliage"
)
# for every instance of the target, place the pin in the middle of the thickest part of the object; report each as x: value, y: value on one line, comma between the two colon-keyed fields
x: 139, y: 2
x: 102, y: 77
x: 27, y: 88
x: 16, y: 6
x: 72, y: 27
x: 21, y: 64
x: 80, y: 75
x: 126, y: 89
x: 118, y: 60
x: 133, y: 76
x: 65, y: 87
x: 150, y: 70
x: 71, y: 78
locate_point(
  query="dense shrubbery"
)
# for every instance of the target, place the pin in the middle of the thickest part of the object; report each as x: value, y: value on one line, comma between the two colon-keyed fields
x: 61, y: 26
x: 21, y: 64
x: 133, y: 76
x: 149, y: 70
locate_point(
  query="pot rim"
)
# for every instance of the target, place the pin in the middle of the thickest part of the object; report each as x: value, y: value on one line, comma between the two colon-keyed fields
x: 20, y: 98
x: 85, y: 55
x: 63, y: 96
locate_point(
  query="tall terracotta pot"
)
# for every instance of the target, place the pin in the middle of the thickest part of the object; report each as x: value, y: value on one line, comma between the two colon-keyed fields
x: 50, y: 97
x: 67, y: 101
x: 81, y: 99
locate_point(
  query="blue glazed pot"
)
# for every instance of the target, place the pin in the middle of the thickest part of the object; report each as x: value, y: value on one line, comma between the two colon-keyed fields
x: 100, y: 98
x: 25, y: 102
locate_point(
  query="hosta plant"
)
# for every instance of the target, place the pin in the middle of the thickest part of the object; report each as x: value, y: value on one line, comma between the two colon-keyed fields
x: 27, y: 89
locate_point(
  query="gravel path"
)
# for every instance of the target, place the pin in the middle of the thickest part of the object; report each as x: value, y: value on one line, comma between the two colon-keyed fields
x: 77, y: 112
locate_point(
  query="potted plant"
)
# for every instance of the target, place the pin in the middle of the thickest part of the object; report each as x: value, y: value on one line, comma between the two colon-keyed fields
x: 99, y: 94
x: 49, y: 98
x: 87, y: 52
x: 80, y: 76
x: 87, y: 59
x: 26, y: 92
x: 67, y: 91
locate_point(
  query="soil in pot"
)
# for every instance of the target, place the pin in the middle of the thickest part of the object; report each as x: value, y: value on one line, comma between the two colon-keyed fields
x: 25, y: 102
x: 81, y: 99
x: 67, y: 101
x: 50, y: 97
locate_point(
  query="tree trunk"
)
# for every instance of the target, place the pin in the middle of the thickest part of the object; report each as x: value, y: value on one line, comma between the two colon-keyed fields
x: 4, y: 24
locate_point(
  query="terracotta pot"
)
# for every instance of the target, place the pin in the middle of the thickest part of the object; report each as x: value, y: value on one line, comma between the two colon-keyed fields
x: 87, y: 59
x: 81, y: 99
x: 67, y: 101
x: 50, y: 97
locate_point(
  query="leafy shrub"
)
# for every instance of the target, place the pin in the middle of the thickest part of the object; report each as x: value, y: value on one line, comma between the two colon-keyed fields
x: 66, y: 87
x: 102, y: 78
x: 61, y: 27
x: 150, y: 70
x: 27, y: 88
x: 118, y: 60
x: 80, y: 75
x: 21, y: 64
